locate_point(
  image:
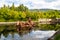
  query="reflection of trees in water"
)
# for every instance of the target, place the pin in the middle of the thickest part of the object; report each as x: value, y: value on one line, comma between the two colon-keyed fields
x: 11, y: 29
x: 6, y: 29
x: 24, y: 30
x: 5, y: 32
x: 47, y: 27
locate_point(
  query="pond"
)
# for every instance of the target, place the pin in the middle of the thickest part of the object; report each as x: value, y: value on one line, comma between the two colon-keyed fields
x: 33, y: 35
x: 10, y: 33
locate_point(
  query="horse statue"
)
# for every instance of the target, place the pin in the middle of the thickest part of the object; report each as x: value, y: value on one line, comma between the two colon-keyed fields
x: 21, y: 24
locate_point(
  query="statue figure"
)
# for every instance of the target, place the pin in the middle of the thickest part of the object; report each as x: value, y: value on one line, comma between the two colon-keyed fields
x: 28, y: 24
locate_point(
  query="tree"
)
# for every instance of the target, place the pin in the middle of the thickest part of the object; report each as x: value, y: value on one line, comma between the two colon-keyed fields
x: 12, y: 7
x: 22, y: 8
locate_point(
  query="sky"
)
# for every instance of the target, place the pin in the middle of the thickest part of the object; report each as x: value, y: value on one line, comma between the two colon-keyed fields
x: 33, y: 4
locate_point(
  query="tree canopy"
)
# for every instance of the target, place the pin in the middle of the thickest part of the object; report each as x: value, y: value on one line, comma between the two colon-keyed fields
x: 22, y: 12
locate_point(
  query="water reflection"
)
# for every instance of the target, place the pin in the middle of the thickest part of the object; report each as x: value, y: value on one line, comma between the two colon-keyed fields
x: 33, y: 35
x: 10, y: 33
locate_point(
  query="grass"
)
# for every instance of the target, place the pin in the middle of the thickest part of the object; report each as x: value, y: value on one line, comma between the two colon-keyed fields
x: 57, y: 37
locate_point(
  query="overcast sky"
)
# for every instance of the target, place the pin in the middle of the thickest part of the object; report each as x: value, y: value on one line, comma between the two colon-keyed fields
x: 33, y: 4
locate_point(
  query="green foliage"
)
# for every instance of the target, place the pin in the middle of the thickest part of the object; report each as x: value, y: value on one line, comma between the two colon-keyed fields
x: 12, y: 7
x: 48, y: 26
x: 57, y: 37
x: 22, y: 8
x: 22, y: 12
